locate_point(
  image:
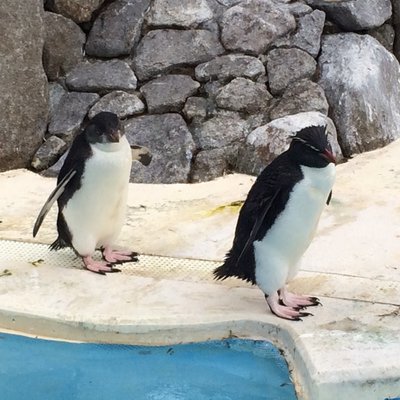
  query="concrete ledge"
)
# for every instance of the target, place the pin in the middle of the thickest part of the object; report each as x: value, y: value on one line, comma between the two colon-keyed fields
x: 348, y: 350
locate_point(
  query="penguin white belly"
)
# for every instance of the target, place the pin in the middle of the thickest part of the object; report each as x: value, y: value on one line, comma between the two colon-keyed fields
x: 278, y: 253
x: 95, y: 213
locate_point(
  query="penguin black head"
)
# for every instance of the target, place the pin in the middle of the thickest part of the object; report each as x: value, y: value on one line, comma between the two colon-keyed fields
x: 104, y: 127
x: 310, y: 147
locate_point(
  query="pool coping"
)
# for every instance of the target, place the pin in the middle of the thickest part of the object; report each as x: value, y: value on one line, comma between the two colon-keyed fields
x: 200, y: 311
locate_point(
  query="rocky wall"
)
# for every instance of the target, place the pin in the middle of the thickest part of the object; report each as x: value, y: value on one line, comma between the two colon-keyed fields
x: 211, y: 86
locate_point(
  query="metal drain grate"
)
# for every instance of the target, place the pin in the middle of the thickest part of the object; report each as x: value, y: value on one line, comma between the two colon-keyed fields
x: 148, y: 265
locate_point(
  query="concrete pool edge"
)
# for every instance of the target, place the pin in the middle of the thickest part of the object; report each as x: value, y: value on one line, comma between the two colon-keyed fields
x: 308, y: 383
x: 161, y: 335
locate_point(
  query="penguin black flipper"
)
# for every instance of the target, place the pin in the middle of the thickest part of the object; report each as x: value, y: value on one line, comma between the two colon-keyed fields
x: 55, y: 194
x: 265, y: 207
x: 68, y: 181
x: 264, y: 203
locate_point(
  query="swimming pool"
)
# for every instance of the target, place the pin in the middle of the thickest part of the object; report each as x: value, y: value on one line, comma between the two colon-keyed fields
x: 231, y: 369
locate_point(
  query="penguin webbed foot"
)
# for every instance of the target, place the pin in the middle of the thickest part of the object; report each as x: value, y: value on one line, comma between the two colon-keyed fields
x: 296, y: 300
x: 118, y: 256
x: 99, y: 267
x: 283, y: 311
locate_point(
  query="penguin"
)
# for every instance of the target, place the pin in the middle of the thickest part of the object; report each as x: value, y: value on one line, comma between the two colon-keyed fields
x: 279, y: 218
x: 91, y: 193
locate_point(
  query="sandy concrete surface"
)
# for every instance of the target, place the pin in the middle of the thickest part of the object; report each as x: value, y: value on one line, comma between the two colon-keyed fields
x: 349, y: 349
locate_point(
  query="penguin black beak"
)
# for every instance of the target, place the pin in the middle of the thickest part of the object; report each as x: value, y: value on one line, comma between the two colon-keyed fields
x: 115, y: 136
x: 328, y: 155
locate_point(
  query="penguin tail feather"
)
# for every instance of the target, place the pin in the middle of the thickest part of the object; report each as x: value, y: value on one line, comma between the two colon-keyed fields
x: 58, y: 244
x: 227, y: 269
x: 242, y: 267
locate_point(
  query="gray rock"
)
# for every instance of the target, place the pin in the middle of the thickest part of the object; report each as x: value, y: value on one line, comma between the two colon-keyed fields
x: 23, y: 95
x: 69, y: 115
x: 222, y: 130
x: 230, y: 66
x: 54, y: 170
x: 196, y: 107
x: 118, y: 102
x: 77, y: 10
x: 117, y: 29
x: 170, y: 143
x: 298, y: 9
x: 301, y: 96
x: 253, y: 26
x: 56, y: 92
x: 308, y: 33
x: 101, y: 76
x: 210, y: 164
x: 267, y: 142
x: 48, y: 153
x: 384, y: 35
x: 63, y: 46
x: 353, y: 15
x: 361, y: 82
x: 182, y: 13
x: 168, y: 93
x: 212, y: 89
x: 285, y: 66
x: 163, y: 49
x: 242, y: 94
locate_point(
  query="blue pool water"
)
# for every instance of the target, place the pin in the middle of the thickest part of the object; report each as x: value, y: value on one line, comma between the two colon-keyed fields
x: 233, y: 369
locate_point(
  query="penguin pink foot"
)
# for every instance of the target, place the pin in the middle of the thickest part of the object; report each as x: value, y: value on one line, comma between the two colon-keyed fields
x: 297, y: 301
x: 118, y: 256
x: 99, y: 267
x: 282, y: 311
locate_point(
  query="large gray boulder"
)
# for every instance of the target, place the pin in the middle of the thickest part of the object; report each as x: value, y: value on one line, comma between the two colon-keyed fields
x: 68, y: 116
x: 168, y: 93
x: 353, y: 15
x: 253, y: 26
x: 63, y: 46
x: 101, y: 76
x: 265, y: 143
x: 223, y: 129
x: 117, y: 29
x: 182, y: 13
x: 230, y: 66
x: 210, y: 164
x: 56, y: 92
x: 286, y: 66
x: 361, y: 82
x: 243, y: 94
x: 78, y: 10
x: 48, y: 153
x: 171, y: 146
x: 301, y: 96
x: 23, y: 95
x: 307, y: 36
x: 163, y: 49
x: 119, y: 102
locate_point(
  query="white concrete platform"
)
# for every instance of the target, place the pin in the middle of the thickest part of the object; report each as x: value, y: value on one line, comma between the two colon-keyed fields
x: 348, y: 350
